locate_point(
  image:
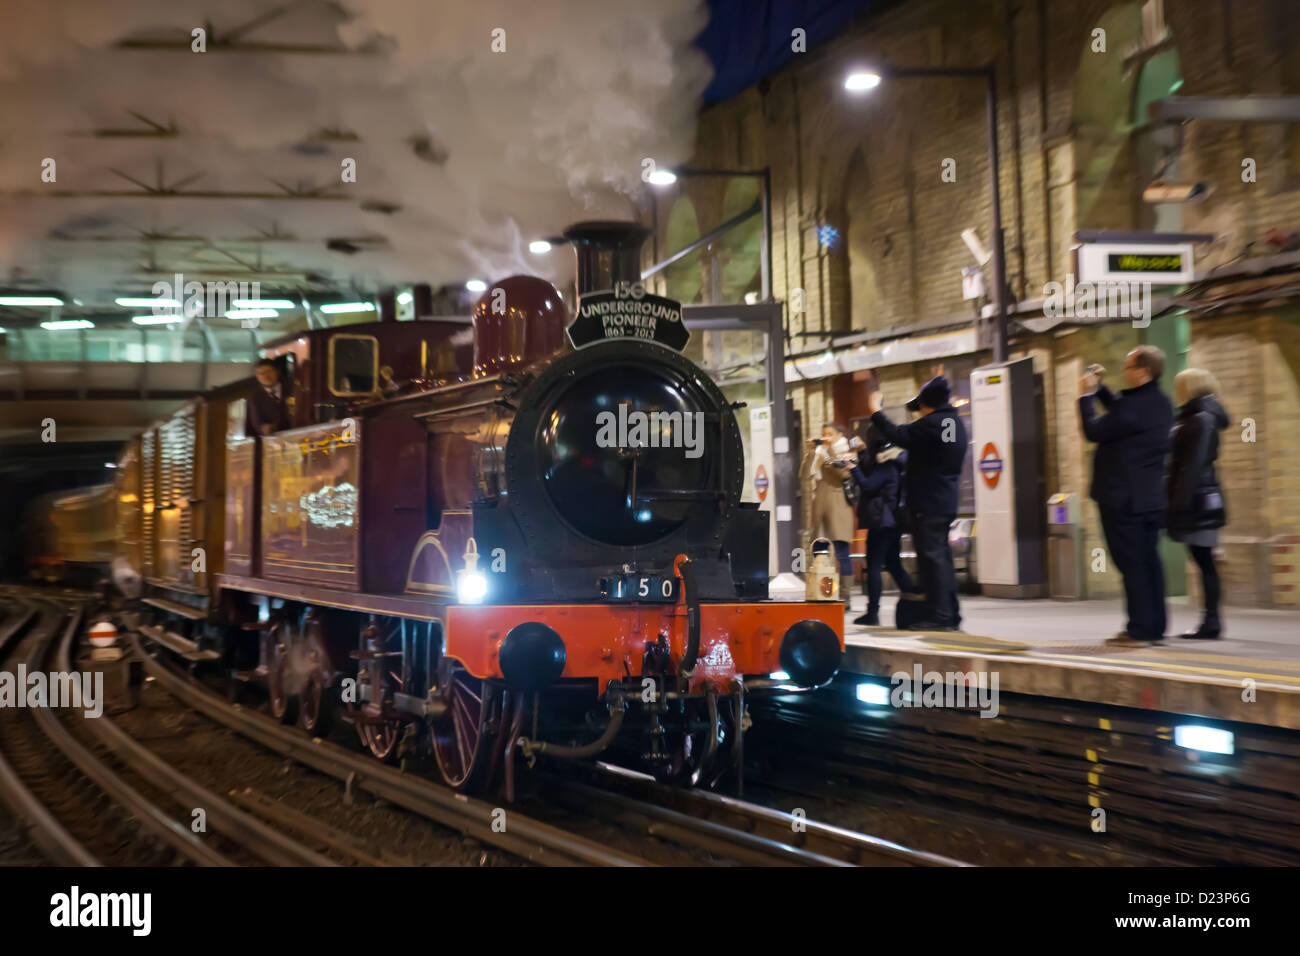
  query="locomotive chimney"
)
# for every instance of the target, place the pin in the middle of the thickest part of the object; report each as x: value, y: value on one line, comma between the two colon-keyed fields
x: 608, y: 252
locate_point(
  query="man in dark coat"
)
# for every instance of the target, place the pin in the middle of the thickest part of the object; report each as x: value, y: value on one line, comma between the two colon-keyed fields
x: 1128, y: 484
x: 880, y: 474
x: 267, y: 410
x: 936, y: 445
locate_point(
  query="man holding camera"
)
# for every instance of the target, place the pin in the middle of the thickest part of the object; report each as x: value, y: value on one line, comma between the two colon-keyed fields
x: 936, y: 445
x: 1128, y: 483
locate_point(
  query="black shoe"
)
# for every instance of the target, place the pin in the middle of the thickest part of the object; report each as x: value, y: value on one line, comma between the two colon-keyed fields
x: 869, y: 619
x: 1202, y: 633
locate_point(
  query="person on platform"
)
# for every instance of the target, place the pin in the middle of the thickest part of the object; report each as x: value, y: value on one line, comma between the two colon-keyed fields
x: 1128, y: 484
x: 1196, y: 508
x: 936, y: 445
x: 267, y: 410
x: 880, y: 474
x: 827, y: 465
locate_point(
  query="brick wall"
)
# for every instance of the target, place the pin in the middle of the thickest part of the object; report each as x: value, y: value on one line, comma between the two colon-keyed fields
x: 871, y: 166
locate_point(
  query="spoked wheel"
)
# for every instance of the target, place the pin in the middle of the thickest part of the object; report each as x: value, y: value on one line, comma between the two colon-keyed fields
x: 464, y: 736
x: 284, y: 705
x: 381, y: 673
x: 318, y: 701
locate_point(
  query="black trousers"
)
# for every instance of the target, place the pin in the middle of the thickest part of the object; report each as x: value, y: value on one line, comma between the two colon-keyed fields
x: 1133, y: 540
x: 882, y: 553
x: 934, y: 567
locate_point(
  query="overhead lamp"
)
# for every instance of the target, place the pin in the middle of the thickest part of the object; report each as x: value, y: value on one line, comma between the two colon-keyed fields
x: 156, y: 319
x: 476, y: 285
x: 64, y: 325
x: 334, y: 308
x: 128, y: 302
x: 252, y: 314
x: 662, y: 177
x: 31, y: 300
x: 539, y: 247
x: 859, y: 81
x: 405, y: 298
x: 264, y: 304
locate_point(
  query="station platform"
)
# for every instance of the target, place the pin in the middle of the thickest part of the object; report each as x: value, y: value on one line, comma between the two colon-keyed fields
x: 1056, y: 649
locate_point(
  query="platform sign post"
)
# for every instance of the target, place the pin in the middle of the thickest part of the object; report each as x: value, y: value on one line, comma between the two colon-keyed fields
x: 1007, y: 447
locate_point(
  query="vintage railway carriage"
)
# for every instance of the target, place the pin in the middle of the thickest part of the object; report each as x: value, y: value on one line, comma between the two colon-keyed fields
x: 454, y: 552
x: 69, y: 535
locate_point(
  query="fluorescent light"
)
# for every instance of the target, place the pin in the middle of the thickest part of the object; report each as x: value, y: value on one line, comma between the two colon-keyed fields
x: 1210, y: 740
x: 662, y: 177
x: 156, y: 319
x: 779, y: 675
x: 264, y: 304
x: 405, y: 298
x: 3, y: 330
x: 539, y: 247
x: 33, y: 300
x: 861, y: 80
x: 476, y: 285
x: 252, y: 314
x: 471, y: 587
x: 151, y: 303
x: 66, y: 324
x: 110, y: 464
x: 872, y: 693
x: 333, y: 308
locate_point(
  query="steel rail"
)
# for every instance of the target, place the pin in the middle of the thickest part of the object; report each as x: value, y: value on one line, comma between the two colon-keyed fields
x: 523, y: 836
x: 40, y: 825
x: 264, y: 841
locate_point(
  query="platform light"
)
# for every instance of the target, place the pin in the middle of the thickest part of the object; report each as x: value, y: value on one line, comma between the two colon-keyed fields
x: 405, y: 298
x: 156, y: 319
x: 128, y: 302
x: 859, y: 81
x: 335, y: 308
x: 252, y: 314
x: 110, y: 464
x: 67, y: 325
x: 539, y: 247
x: 779, y: 675
x: 476, y: 285
x: 873, y: 693
x: 1210, y: 740
x: 3, y: 330
x: 30, y: 300
x: 264, y: 304
x: 661, y: 177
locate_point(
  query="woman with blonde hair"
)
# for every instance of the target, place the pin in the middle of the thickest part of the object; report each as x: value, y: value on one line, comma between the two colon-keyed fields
x: 1196, y: 507
x: 827, y: 465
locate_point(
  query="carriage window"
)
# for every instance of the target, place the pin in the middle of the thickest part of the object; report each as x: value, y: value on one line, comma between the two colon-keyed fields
x: 354, y: 364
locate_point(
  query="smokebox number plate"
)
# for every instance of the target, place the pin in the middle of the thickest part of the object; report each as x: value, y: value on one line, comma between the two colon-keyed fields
x: 653, y: 588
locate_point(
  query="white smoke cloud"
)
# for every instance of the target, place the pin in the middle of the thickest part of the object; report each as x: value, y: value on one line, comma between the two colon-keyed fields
x: 513, y: 145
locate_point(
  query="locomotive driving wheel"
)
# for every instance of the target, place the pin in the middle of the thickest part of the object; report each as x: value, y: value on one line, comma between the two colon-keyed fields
x: 381, y: 672
x: 318, y: 700
x: 696, y: 739
x: 465, y: 735
x: 284, y: 704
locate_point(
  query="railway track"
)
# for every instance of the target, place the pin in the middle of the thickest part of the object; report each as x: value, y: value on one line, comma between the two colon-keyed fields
x: 731, y: 829
x: 95, y: 795
x: 721, y: 828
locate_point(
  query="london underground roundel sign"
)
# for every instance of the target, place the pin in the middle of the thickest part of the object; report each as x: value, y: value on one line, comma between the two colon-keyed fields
x: 990, y: 465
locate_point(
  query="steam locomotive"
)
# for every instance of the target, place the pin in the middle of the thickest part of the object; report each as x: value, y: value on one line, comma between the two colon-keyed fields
x: 515, y: 547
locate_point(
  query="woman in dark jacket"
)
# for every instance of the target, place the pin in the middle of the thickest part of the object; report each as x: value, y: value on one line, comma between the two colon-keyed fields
x: 1196, y: 508
x: 879, y: 474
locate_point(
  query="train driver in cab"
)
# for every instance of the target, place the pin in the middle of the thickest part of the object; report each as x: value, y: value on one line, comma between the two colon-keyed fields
x: 267, y: 410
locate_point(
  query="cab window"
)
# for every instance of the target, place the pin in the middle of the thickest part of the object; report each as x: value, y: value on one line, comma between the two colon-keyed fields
x: 354, y: 364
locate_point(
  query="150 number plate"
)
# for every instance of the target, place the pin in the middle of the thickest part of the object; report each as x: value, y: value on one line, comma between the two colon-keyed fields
x: 639, y: 587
